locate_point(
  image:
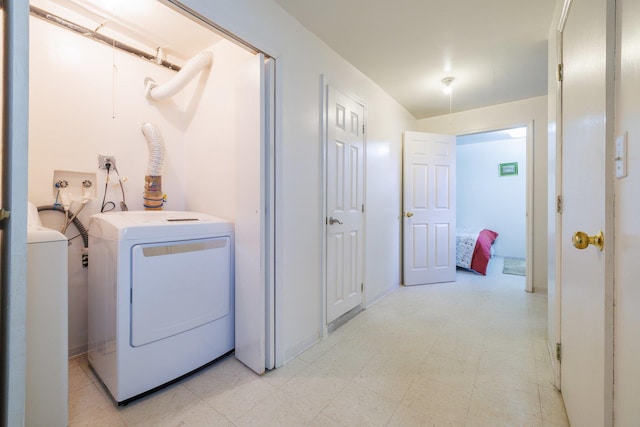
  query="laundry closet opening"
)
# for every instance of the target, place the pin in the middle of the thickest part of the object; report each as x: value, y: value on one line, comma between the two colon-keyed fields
x: 93, y: 68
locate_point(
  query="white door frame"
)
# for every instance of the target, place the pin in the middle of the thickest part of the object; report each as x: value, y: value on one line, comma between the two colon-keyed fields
x: 554, y: 338
x: 13, y: 262
x: 324, y: 120
x: 529, y: 254
x: 529, y: 209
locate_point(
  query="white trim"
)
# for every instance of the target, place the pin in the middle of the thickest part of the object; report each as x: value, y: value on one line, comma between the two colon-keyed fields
x: 13, y: 281
x: 558, y: 216
x: 278, y: 221
x: 563, y: 16
x: 270, y: 280
x: 324, y: 120
x: 529, y: 208
x: 609, y: 285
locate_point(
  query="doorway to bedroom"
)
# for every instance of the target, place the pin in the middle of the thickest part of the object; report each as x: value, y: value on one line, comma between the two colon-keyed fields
x: 491, y: 199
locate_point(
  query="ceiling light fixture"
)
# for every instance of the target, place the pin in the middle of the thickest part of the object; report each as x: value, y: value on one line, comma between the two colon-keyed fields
x: 447, y: 87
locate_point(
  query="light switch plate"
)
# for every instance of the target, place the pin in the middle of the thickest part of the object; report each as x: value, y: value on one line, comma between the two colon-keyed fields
x: 621, y: 156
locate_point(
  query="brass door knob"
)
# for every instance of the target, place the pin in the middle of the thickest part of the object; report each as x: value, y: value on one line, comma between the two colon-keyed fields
x: 581, y: 240
x: 409, y: 214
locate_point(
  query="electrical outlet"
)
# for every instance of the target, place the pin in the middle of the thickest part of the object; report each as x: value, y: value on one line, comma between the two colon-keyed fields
x: 103, y: 160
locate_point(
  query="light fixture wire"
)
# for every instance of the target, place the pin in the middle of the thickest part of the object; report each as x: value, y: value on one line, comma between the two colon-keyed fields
x: 446, y: 82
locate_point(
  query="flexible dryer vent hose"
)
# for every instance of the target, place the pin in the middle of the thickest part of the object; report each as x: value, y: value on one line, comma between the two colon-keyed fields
x: 193, y: 66
x: 153, y: 195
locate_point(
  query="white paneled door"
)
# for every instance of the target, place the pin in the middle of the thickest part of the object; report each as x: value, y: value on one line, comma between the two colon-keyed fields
x: 586, y: 274
x: 429, y: 208
x: 344, y: 203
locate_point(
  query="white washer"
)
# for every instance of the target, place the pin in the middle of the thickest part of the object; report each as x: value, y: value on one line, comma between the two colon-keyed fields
x: 47, y: 366
x: 160, y: 297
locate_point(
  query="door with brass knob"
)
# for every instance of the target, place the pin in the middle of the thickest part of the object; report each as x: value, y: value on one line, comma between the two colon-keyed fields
x: 583, y: 293
x: 582, y: 240
x: 409, y: 214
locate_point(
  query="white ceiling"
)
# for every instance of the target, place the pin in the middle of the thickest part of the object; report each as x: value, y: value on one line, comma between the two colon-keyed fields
x: 495, y: 49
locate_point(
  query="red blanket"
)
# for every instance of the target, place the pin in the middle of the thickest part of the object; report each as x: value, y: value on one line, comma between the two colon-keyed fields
x: 482, y: 251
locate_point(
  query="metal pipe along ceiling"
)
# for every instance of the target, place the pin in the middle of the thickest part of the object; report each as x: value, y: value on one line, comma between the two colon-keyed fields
x: 93, y: 35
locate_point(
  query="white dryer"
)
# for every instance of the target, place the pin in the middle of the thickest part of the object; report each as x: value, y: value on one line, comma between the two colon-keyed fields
x: 160, y: 297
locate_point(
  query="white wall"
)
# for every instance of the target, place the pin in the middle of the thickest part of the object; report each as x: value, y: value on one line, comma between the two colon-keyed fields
x: 301, y: 59
x: 487, y: 200
x: 627, y: 226
x: 504, y: 116
x: 78, y: 110
x: 209, y: 141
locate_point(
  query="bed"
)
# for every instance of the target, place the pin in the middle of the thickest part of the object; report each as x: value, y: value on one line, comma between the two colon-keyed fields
x: 473, y: 248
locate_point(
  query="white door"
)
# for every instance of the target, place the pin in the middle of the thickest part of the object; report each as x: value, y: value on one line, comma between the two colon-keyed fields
x: 344, y: 203
x: 586, y: 275
x: 13, y: 231
x: 251, y: 250
x: 429, y: 208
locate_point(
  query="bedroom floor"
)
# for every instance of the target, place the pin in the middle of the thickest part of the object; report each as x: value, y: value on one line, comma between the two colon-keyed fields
x: 469, y: 353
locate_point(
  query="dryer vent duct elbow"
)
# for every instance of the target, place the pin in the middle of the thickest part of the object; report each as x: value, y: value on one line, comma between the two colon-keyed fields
x: 153, y: 195
x: 193, y: 66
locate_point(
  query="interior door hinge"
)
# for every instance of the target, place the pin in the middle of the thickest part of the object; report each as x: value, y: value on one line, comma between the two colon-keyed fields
x: 559, y: 204
x: 363, y: 208
x: 560, y: 72
x: 5, y: 214
x: 362, y: 287
x: 559, y: 352
x: 362, y: 128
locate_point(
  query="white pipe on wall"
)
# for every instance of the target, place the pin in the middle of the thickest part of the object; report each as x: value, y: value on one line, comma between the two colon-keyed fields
x: 155, y: 143
x: 193, y: 66
x: 153, y: 196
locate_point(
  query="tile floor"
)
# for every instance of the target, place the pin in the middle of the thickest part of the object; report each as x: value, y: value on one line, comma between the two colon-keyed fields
x: 470, y: 353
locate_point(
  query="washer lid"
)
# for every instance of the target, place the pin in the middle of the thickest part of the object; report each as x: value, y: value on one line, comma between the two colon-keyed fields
x: 134, y: 225
x: 39, y: 234
x: 33, y: 217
